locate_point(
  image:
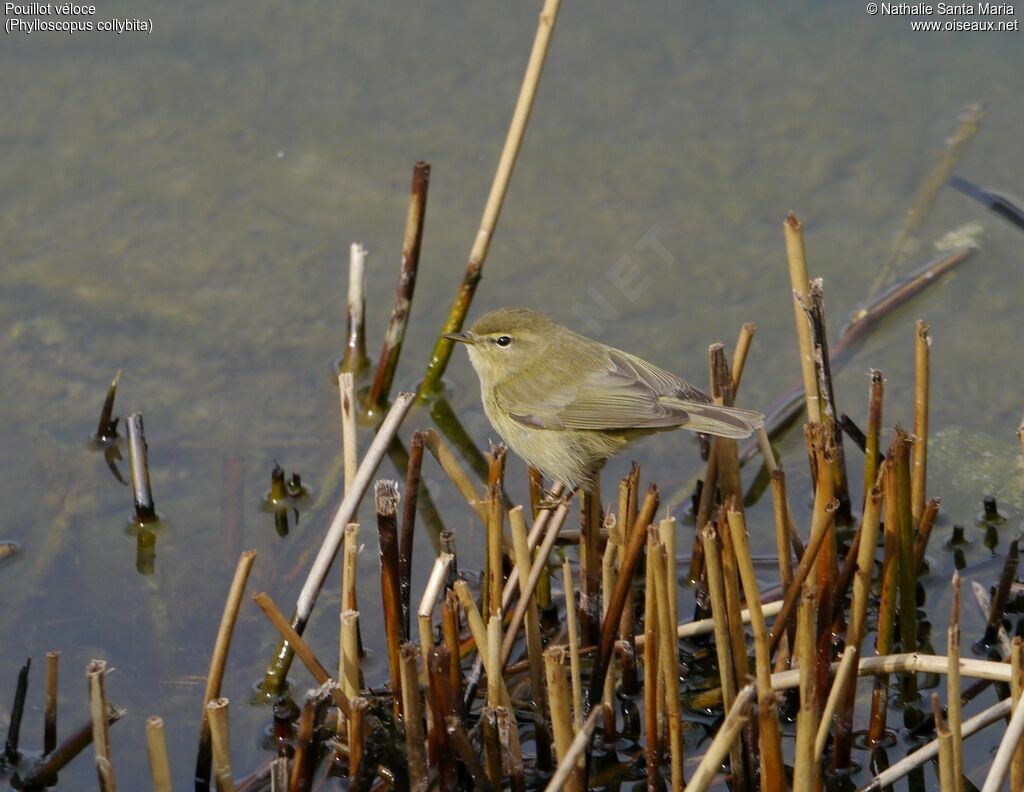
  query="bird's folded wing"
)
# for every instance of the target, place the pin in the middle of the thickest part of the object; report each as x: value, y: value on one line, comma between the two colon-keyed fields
x: 625, y: 393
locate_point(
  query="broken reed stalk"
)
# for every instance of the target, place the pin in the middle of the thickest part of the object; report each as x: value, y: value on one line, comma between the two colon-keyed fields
x: 572, y: 626
x: 106, y: 429
x: 459, y: 740
x: 773, y: 774
x: 624, y: 581
x: 900, y: 451
x: 17, y: 712
x: 95, y: 673
x: 217, y: 715
x: 668, y: 654
x: 589, y: 609
x: 394, y: 336
x: 607, y: 584
x: 431, y: 385
x: 627, y: 623
x: 577, y: 750
x: 277, y: 669
x: 50, y: 702
x: 798, y: 283
x: 219, y: 660
x: 998, y: 606
x: 385, y: 494
x: 954, y: 693
x: 924, y: 531
x: 508, y: 736
x: 450, y: 465
x: 301, y: 648
x: 534, y: 642
x: 716, y: 590
x: 928, y: 192
x: 355, y: 359
x: 412, y: 719
x: 945, y: 738
x: 652, y: 702
x: 405, y: 545
x: 871, y: 443
x: 159, y: 765
x: 138, y: 456
x: 858, y: 621
x: 491, y: 745
x: 349, y: 431
x: 1017, y: 692
x: 451, y: 638
x: 425, y: 610
x: 780, y: 508
x: 558, y: 704
x: 357, y: 731
x: 735, y: 720
x: 805, y: 768
x: 46, y: 771
x: 1000, y: 766
x: 844, y: 680
x: 886, y: 606
x: 731, y: 578
x: 494, y: 578
x: 922, y: 345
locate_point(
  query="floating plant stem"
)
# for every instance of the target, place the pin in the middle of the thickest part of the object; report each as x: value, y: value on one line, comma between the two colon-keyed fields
x: 354, y: 359
x: 798, y: 283
x: 277, y: 669
x: 142, y: 490
x: 218, y: 661
x: 217, y: 715
x: 106, y: 430
x: 394, y: 336
x: 17, y: 712
x: 95, y: 672
x: 922, y: 346
x: 386, y: 501
x: 46, y: 771
x: 159, y: 765
x: 50, y: 705
x: 431, y: 385
x: 734, y: 722
x: 349, y: 432
x: 412, y: 718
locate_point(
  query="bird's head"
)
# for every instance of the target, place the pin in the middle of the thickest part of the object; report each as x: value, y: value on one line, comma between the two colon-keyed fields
x: 504, y: 342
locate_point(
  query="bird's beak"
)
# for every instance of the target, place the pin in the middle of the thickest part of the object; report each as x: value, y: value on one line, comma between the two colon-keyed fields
x: 463, y: 338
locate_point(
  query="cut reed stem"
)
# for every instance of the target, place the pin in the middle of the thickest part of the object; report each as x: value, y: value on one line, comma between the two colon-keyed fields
x: 922, y: 346
x: 138, y: 455
x: 559, y: 706
x: 798, y: 279
x: 50, y: 702
x: 349, y: 431
x: 217, y: 715
x: 354, y: 359
x: 95, y: 673
x: 159, y: 765
x: 386, y: 502
x: 668, y: 654
x: 572, y: 626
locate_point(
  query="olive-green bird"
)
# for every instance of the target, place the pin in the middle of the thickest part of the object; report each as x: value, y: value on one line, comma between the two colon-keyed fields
x: 566, y: 403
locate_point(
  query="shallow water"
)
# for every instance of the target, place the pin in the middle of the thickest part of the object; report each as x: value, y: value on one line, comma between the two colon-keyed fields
x: 180, y: 205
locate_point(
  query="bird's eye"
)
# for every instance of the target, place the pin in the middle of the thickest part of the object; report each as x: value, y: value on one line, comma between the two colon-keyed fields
x: 503, y: 341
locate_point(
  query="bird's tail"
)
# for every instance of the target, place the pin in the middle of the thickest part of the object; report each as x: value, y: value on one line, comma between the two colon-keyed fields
x: 721, y: 421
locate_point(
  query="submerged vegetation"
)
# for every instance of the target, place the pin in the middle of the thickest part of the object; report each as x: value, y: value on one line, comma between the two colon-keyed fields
x: 565, y: 663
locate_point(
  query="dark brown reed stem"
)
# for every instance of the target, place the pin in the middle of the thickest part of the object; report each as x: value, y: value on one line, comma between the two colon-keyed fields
x: 491, y: 745
x: 494, y: 579
x: 922, y: 346
x: 358, y: 731
x: 219, y: 660
x: 508, y: 737
x: 412, y: 711
x: 924, y: 531
x: 886, y: 608
x: 301, y: 648
x: 394, y: 336
x: 821, y: 526
x: 46, y: 771
x: 459, y: 741
x: 440, y: 698
x: 805, y: 770
x: 627, y: 624
x: 589, y: 605
x: 652, y: 746
x: 355, y: 359
x: 900, y: 452
x: 142, y: 490
x: 1006, y: 578
x: 106, y: 430
x: 386, y: 502
x: 724, y: 449
x: 50, y: 702
x: 302, y: 763
x: 819, y: 441
x: 405, y: 545
x: 868, y: 533
x: 773, y: 775
x: 798, y: 283
x: 431, y: 385
x: 732, y: 726
x: 217, y: 715
x: 871, y: 443
x: 450, y: 633
x: 634, y: 551
x: 17, y: 712
x: 95, y: 673
x: 159, y: 764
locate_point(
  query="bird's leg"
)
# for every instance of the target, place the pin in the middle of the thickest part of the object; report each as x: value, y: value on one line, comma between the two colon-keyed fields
x: 553, y: 501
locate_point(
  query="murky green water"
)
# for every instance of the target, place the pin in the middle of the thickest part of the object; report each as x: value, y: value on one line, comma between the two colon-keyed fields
x: 180, y: 205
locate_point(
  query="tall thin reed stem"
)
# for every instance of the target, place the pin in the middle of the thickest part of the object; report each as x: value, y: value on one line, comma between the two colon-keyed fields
x: 798, y: 283
x: 354, y: 359
x: 922, y: 348
x: 95, y: 673
x: 159, y: 765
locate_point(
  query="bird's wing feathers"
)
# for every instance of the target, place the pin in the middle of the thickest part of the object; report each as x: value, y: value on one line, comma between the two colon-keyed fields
x: 628, y: 393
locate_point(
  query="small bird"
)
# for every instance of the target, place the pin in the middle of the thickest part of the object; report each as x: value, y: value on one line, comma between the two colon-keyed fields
x: 565, y: 403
